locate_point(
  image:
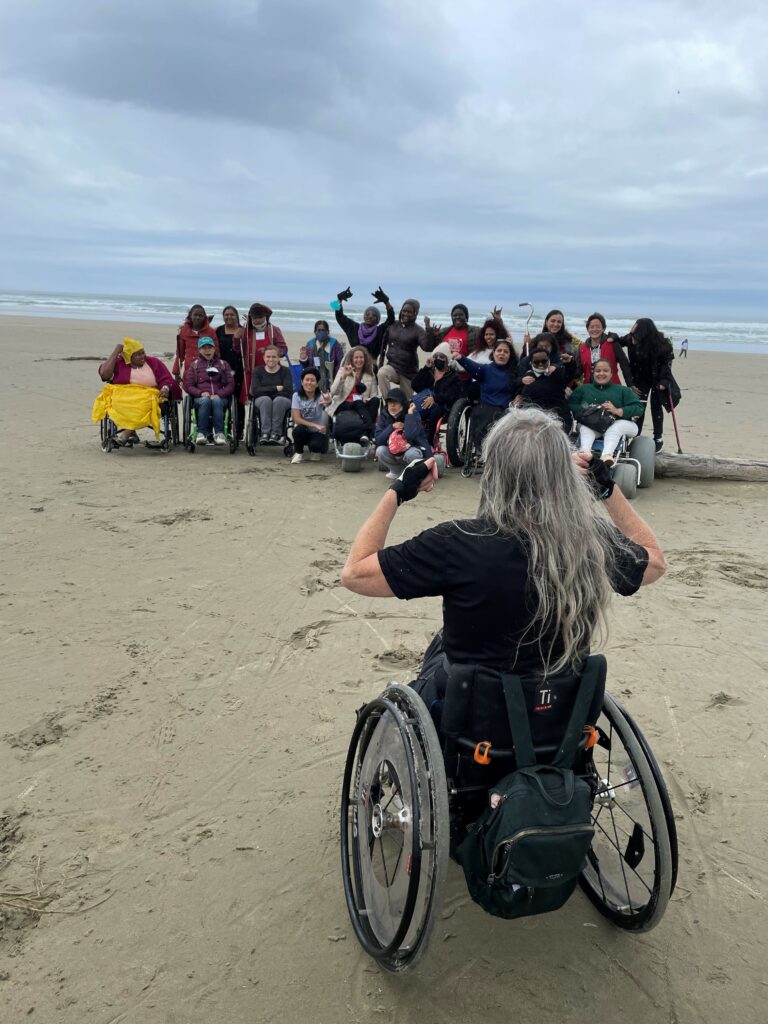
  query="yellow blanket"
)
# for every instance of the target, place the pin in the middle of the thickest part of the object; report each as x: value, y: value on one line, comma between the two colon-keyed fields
x: 129, y: 406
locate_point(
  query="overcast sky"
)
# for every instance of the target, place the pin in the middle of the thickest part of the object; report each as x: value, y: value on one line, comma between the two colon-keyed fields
x: 557, y: 151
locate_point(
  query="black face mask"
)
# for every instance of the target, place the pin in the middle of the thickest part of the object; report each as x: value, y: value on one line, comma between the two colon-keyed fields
x: 359, y: 387
x: 440, y: 362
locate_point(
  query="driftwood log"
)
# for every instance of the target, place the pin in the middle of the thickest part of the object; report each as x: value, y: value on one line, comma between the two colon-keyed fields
x: 709, y: 467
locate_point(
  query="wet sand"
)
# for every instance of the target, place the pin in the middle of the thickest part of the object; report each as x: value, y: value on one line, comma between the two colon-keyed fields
x: 180, y: 673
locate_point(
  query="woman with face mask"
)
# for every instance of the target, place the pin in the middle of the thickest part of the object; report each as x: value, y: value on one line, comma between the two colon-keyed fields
x: 544, y: 386
x: 258, y: 335
x: 436, y: 387
x: 324, y: 353
x: 370, y: 333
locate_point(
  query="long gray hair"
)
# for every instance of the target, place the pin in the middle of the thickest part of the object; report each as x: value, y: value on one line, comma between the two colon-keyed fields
x: 531, y: 490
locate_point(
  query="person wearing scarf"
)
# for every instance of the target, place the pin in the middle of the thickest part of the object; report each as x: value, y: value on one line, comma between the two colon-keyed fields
x: 259, y: 334
x: 324, y: 353
x: 196, y: 326
x: 370, y: 333
x: 135, y: 385
x: 404, y: 339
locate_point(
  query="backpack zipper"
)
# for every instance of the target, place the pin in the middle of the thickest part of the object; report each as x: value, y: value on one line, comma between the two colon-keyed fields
x: 523, y: 833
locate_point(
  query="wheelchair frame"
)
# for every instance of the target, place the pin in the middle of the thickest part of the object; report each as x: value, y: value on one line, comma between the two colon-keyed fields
x: 395, y: 801
x: 189, y: 424
x: 253, y: 431
x: 169, y: 416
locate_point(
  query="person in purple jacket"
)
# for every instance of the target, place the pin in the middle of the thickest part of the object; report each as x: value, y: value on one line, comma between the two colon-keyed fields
x: 210, y: 382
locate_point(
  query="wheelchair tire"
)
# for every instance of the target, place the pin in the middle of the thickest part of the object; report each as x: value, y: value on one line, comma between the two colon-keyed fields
x: 251, y: 429
x: 354, y: 462
x: 625, y: 478
x: 632, y: 865
x: 457, y: 431
x: 106, y: 435
x: 644, y: 450
x: 394, y: 864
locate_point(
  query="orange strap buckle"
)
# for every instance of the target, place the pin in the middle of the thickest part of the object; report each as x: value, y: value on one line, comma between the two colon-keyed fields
x: 592, y: 736
x: 483, y: 752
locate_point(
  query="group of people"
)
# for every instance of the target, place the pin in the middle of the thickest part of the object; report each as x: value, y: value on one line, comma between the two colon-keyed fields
x: 370, y: 388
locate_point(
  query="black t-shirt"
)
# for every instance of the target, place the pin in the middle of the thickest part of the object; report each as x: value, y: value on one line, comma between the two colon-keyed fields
x: 482, y: 577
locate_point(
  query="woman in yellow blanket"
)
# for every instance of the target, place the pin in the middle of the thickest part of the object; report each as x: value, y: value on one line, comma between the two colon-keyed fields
x: 136, y: 385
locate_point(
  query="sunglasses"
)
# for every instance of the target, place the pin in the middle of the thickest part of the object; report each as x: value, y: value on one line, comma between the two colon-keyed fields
x: 540, y: 362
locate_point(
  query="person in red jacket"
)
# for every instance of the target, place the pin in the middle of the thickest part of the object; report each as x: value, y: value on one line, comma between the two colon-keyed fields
x: 196, y: 326
x: 259, y: 334
x: 600, y: 345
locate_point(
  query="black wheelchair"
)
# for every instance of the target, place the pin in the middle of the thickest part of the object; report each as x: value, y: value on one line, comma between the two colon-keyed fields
x: 253, y: 432
x: 408, y: 798
x: 189, y: 425
x: 169, y: 432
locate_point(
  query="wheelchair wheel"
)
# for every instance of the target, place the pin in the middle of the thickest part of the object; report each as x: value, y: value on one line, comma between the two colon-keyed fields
x: 394, y: 828
x: 644, y: 450
x: 632, y: 865
x: 186, y: 416
x: 105, y: 428
x: 625, y: 478
x: 252, y: 429
x: 351, y: 458
x: 457, y: 431
x: 232, y: 438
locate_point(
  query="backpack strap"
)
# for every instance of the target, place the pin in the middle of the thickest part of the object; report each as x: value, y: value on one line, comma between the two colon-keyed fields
x: 517, y: 712
x: 591, y: 676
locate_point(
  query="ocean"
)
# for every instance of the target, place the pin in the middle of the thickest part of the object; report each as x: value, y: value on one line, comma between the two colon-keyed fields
x: 703, y: 335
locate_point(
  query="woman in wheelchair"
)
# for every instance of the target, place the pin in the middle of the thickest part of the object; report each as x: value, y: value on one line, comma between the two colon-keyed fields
x: 210, y: 382
x: 354, y: 398
x: 603, y: 408
x: 137, y: 385
x: 272, y: 391
x: 508, y: 591
x: 496, y: 386
x: 436, y: 387
x: 524, y: 585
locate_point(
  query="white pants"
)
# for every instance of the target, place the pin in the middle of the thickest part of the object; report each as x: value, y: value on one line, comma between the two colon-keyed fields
x: 611, y: 438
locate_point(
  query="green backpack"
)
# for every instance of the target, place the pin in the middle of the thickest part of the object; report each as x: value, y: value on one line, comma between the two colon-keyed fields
x: 525, y: 855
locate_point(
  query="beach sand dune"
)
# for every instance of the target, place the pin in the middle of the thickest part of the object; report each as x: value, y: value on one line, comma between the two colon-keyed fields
x: 180, y: 674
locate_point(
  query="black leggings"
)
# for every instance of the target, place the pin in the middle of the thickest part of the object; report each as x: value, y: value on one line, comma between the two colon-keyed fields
x: 657, y: 414
x: 313, y: 439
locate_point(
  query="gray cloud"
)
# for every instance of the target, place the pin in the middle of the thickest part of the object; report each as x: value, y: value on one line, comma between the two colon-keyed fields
x: 444, y: 144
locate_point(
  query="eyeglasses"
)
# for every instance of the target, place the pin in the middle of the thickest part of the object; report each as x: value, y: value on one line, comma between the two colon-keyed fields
x: 540, y: 362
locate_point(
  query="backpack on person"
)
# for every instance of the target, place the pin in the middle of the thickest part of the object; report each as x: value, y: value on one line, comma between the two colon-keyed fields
x: 525, y: 852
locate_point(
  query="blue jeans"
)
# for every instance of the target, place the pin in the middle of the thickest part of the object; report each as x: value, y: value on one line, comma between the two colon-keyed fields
x: 203, y: 410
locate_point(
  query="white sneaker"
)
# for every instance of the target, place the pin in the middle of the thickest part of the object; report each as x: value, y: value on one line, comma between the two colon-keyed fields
x: 297, y: 458
x: 314, y: 456
x: 201, y: 439
x: 219, y: 439
x: 393, y: 476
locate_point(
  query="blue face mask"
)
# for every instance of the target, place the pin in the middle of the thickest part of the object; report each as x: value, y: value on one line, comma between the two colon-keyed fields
x: 321, y: 335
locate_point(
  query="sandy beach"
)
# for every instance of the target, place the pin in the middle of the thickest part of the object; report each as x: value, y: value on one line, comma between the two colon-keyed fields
x: 181, y: 669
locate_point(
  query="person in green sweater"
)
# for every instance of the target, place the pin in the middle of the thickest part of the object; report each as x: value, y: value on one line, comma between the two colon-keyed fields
x: 615, y: 399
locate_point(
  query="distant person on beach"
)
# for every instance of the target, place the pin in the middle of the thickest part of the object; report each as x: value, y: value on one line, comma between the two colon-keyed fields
x: 400, y: 352
x: 229, y: 334
x: 272, y: 391
x: 619, y: 402
x: 131, y: 408
x: 323, y: 352
x: 370, y: 333
x: 651, y: 356
x: 196, y: 326
x: 258, y: 335
x: 684, y: 349
x: 210, y: 382
x: 601, y: 345
x: 554, y: 324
